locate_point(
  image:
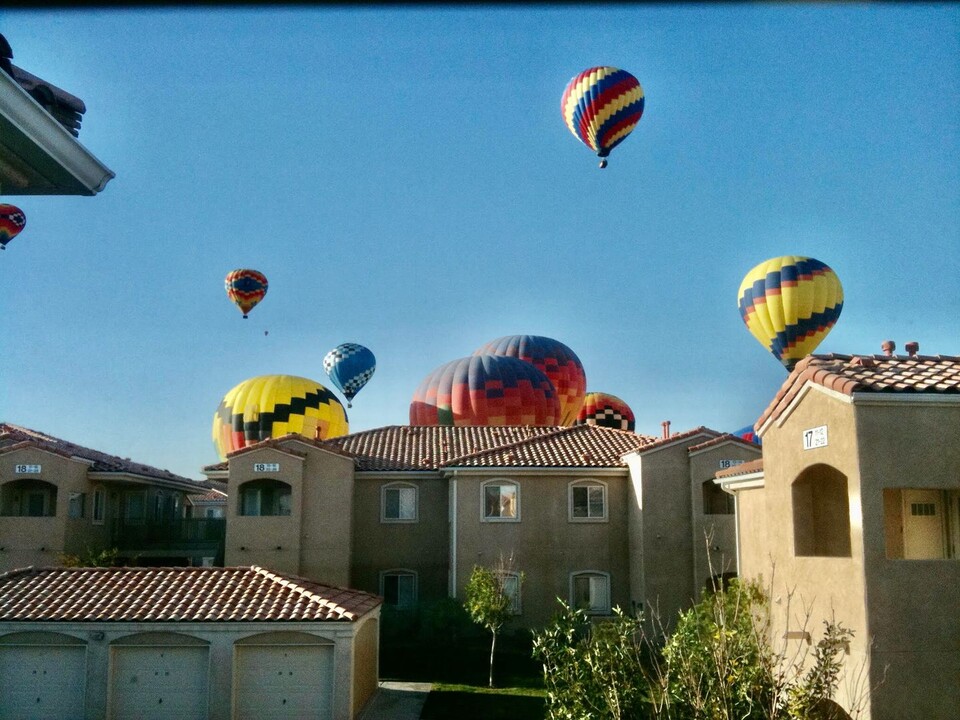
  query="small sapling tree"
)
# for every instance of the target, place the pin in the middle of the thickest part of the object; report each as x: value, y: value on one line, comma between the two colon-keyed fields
x: 488, y: 601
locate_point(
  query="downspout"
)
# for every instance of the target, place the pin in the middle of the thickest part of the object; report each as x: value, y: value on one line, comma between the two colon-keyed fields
x: 452, y: 580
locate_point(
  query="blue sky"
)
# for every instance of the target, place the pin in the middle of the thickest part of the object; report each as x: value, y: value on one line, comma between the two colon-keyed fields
x: 405, y: 180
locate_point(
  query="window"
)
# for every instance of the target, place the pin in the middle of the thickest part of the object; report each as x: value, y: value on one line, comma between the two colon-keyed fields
x: 75, y: 508
x: 135, y: 507
x: 590, y: 591
x: 399, y: 588
x: 99, y: 506
x: 511, y: 588
x: 821, y: 513
x: 264, y: 497
x: 501, y: 500
x: 213, y: 512
x: 716, y: 501
x: 588, y: 501
x: 921, y: 523
x: 28, y: 498
x: 398, y: 503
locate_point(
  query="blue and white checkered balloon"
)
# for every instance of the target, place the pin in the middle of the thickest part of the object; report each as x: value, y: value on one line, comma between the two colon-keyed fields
x: 349, y: 366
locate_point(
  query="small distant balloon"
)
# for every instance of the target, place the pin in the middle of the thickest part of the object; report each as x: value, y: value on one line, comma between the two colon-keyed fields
x: 245, y: 288
x: 12, y: 221
x: 349, y: 366
x: 606, y: 410
x: 790, y: 304
x: 601, y: 106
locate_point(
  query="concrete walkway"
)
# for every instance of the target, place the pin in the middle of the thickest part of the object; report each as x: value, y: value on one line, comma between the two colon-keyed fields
x: 396, y: 701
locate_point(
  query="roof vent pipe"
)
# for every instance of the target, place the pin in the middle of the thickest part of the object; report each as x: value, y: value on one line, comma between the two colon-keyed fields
x: 666, y: 428
x: 912, y: 348
x: 888, y: 346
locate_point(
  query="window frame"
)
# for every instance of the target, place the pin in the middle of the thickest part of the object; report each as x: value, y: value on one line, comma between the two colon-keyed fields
x: 399, y: 487
x: 400, y: 573
x: 98, y: 510
x: 499, y: 482
x: 76, y: 505
x: 279, y: 489
x: 587, y: 483
x: 516, y: 597
x: 595, y: 609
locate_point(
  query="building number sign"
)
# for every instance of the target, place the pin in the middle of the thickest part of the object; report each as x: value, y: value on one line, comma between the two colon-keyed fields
x: 815, y: 437
x: 730, y: 463
x: 27, y: 469
x: 266, y: 467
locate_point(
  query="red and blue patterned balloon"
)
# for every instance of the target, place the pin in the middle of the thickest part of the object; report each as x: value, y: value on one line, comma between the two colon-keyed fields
x: 12, y: 221
x: 606, y: 410
x: 601, y: 106
x: 245, y: 288
x: 485, y: 390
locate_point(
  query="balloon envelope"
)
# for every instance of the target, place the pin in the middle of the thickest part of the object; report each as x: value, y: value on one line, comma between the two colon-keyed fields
x: 270, y: 406
x: 790, y: 304
x: 747, y: 434
x: 485, y: 390
x: 245, y: 288
x: 12, y: 221
x: 349, y: 366
x: 601, y: 106
x: 606, y: 410
x: 555, y: 360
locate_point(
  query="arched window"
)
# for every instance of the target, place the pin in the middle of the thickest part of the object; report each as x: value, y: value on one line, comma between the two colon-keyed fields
x: 821, y: 513
x: 587, y: 500
x: 29, y: 498
x: 590, y: 591
x: 264, y: 497
x: 501, y: 500
x: 398, y: 502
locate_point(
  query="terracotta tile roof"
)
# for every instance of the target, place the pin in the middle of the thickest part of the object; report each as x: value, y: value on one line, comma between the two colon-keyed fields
x: 13, y: 437
x: 685, y: 435
x: 178, y: 594
x: 848, y: 374
x: 211, y: 496
x: 721, y: 439
x: 746, y: 468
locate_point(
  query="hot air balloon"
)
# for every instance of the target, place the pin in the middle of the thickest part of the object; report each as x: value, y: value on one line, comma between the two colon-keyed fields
x: 12, y: 221
x: 607, y: 411
x: 601, y: 106
x: 485, y: 390
x: 270, y: 406
x: 748, y: 434
x: 790, y: 304
x: 245, y: 288
x: 349, y: 366
x: 555, y: 360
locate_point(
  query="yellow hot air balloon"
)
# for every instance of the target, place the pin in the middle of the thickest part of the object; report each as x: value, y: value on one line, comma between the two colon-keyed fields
x: 790, y: 304
x: 270, y: 406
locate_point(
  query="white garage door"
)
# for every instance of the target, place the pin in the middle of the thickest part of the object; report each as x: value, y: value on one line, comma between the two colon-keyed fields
x: 159, y: 683
x: 42, y: 682
x: 283, y: 681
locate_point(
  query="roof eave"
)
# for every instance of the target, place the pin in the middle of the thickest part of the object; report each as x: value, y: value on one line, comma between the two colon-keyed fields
x: 35, y: 142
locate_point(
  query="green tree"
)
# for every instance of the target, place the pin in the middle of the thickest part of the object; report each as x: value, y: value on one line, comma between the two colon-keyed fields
x: 92, y: 558
x: 488, y: 602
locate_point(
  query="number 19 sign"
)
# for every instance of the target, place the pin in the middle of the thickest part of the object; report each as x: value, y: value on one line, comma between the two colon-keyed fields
x: 815, y: 437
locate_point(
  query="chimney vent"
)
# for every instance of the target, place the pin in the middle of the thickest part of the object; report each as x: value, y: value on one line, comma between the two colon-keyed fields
x: 912, y: 348
x: 666, y: 428
x: 888, y: 346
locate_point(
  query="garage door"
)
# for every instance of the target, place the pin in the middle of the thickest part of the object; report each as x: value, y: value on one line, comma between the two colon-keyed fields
x: 159, y: 683
x: 283, y: 681
x: 42, y: 682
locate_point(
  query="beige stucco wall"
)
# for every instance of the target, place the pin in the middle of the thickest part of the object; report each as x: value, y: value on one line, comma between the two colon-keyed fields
x: 366, y: 660
x: 314, y: 541
x: 421, y: 546
x: 546, y: 545
x: 40, y: 541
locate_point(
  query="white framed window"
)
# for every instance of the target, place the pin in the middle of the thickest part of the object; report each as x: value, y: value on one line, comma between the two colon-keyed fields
x: 587, y: 501
x: 398, y: 503
x: 399, y: 588
x: 511, y: 588
x: 501, y: 501
x: 590, y: 591
x: 99, y: 506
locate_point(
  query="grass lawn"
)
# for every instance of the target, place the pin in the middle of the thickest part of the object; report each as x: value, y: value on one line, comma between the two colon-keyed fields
x: 471, y: 702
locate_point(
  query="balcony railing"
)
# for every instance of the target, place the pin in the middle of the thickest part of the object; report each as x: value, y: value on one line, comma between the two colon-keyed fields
x: 168, y: 534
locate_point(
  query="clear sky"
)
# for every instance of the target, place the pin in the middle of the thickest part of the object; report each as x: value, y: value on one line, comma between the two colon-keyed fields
x: 405, y: 180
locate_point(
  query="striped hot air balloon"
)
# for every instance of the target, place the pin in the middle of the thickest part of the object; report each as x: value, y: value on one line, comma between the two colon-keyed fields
x: 485, y: 390
x: 270, y: 406
x: 12, y: 221
x: 245, y: 288
x: 790, y: 304
x: 601, y: 106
